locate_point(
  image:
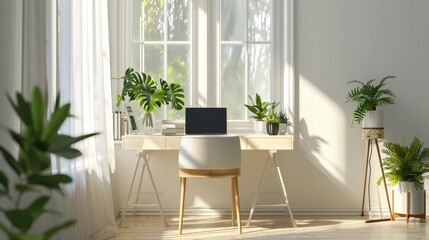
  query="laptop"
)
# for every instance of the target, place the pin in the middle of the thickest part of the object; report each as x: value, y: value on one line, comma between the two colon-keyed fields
x: 205, y: 121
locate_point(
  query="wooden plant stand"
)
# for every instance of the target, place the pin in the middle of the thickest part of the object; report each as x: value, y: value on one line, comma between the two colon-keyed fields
x: 370, y: 139
x: 407, y: 215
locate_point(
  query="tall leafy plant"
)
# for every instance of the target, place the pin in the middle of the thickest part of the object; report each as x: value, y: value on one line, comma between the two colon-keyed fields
x: 368, y: 96
x: 258, y: 107
x: 142, y: 88
x: 406, y: 163
x: 38, y: 140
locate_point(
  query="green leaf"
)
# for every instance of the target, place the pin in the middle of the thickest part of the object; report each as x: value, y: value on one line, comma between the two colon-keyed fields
x: 22, y: 108
x: 50, y: 181
x: 11, y: 161
x: 25, y: 188
x: 37, y: 110
x: 63, y: 142
x: 69, y: 153
x: 52, y: 231
x: 53, y: 125
x: 35, y: 159
x: 23, y: 219
x: 4, y: 181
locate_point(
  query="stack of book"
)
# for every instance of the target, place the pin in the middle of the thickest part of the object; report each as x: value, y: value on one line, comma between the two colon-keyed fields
x: 173, y: 127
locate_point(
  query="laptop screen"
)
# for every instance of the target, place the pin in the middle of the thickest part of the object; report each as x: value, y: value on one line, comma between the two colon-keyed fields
x: 205, y: 121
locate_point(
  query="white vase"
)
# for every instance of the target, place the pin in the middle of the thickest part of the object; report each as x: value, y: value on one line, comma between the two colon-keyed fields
x: 373, y: 119
x: 416, y: 198
x: 260, y: 127
x: 147, y: 123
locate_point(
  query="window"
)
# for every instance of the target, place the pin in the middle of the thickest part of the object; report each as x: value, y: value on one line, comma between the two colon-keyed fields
x: 220, y: 51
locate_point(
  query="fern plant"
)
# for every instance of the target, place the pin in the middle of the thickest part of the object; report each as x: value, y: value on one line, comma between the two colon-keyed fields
x: 368, y: 96
x: 406, y: 163
x: 38, y: 141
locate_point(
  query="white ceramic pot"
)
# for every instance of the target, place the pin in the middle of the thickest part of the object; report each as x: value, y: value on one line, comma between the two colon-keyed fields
x: 373, y: 119
x: 416, y: 198
x: 260, y: 127
x: 282, y: 129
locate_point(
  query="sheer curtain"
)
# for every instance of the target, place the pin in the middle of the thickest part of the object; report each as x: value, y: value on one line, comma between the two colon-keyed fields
x: 80, y: 70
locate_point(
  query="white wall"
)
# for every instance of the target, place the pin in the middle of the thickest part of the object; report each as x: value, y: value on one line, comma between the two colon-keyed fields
x: 335, y: 41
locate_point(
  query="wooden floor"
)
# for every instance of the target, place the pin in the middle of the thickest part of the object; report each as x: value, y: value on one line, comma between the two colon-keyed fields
x: 272, y: 227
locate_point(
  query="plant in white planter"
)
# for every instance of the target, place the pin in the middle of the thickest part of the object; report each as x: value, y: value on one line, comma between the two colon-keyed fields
x: 259, y: 108
x: 368, y: 97
x: 405, y: 167
x: 284, y: 122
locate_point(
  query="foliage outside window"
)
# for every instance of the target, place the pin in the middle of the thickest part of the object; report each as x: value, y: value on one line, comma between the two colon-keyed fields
x: 164, y: 36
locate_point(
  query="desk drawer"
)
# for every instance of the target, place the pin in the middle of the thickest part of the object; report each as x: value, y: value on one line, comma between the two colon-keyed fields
x: 172, y: 143
x: 154, y: 144
x: 268, y: 143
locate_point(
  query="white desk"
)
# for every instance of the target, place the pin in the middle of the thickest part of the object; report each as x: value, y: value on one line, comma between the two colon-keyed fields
x: 146, y: 143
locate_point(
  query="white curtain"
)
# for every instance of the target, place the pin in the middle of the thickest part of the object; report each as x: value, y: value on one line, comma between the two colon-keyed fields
x: 80, y: 70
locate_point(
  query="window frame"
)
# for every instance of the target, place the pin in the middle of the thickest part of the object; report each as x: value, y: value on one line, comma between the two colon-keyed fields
x: 204, y: 53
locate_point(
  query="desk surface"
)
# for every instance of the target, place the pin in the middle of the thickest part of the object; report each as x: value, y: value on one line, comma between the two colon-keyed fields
x: 248, y: 142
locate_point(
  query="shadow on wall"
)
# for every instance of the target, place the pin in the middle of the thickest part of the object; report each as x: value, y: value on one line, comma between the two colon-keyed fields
x: 311, y: 146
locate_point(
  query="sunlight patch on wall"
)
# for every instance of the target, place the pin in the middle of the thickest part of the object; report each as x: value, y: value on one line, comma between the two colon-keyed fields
x: 322, y: 133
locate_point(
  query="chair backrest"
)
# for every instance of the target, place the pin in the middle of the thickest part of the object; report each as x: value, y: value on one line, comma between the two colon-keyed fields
x: 210, y: 152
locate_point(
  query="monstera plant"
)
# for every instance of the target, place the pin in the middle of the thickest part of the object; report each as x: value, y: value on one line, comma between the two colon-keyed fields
x: 38, y: 140
x: 142, y: 88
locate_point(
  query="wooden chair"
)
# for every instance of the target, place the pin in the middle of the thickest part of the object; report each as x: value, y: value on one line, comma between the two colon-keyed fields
x: 210, y: 156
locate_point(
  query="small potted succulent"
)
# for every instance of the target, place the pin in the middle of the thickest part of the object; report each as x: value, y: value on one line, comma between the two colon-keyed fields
x: 284, y: 122
x: 259, y: 108
x: 273, y: 120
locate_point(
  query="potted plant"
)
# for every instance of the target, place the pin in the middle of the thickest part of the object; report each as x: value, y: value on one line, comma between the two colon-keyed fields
x: 284, y: 122
x: 38, y: 141
x: 259, y: 108
x: 273, y: 120
x: 368, y: 97
x: 405, y: 167
x: 140, y: 87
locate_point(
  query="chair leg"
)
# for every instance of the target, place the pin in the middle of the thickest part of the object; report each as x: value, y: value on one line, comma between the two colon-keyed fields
x: 233, y: 202
x: 237, y: 203
x: 182, y: 202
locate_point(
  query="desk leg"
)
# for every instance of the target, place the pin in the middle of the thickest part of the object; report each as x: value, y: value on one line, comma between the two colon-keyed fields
x: 124, y: 210
x: 257, y: 193
x: 156, y: 192
x: 279, y: 174
x: 139, y: 188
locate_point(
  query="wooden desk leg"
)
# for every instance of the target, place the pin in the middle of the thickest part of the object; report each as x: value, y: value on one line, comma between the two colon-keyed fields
x: 257, y: 193
x: 279, y: 174
x: 139, y: 188
x: 124, y: 210
x: 156, y: 192
x: 283, y: 188
x: 366, y: 175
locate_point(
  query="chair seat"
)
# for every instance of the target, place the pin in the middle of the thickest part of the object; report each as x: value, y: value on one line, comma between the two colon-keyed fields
x: 209, y: 173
